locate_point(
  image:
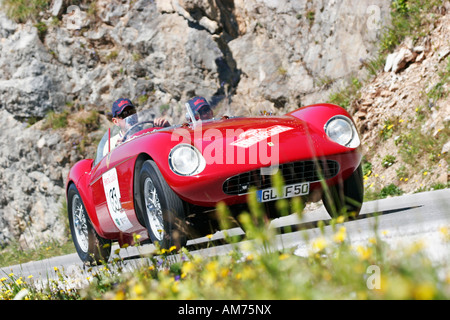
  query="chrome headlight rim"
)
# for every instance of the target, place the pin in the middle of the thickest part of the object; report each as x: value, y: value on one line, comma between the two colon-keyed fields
x: 353, y: 141
x: 191, y: 153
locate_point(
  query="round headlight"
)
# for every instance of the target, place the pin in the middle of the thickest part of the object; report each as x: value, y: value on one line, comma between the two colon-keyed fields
x: 341, y: 130
x: 186, y: 160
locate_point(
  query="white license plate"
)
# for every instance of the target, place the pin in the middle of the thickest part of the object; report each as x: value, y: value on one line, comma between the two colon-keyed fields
x: 289, y: 191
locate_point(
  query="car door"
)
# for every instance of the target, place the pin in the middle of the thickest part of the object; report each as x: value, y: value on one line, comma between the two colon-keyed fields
x: 112, y: 188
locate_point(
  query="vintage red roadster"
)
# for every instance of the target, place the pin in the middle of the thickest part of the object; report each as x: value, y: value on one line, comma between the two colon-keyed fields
x: 163, y: 183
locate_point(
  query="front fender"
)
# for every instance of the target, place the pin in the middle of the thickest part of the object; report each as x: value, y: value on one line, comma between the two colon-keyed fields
x: 79, y: 175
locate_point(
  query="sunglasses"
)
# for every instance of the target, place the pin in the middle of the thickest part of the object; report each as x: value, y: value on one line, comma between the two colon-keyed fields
x: 204, y: 110
x: 126, y: 113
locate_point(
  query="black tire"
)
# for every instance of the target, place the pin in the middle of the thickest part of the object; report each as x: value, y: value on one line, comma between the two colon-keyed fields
x: 346, y: 197
x: 91, y: 248
x: 162, y: 210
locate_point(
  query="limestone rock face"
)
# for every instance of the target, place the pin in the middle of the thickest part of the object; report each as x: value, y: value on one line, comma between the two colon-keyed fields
x: 243, y: 56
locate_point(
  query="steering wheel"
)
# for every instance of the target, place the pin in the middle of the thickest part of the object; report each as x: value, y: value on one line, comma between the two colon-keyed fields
x: 136, y: 128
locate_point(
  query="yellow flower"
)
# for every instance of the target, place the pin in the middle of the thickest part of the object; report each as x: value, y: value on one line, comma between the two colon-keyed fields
x: 138, y: 289
x: 248, y: 273
x: 224, y: 272
x: 283, y: 256
x: 209, y: 236
x: 120, y: 295
x: 211, y: 274
x: 56, y: 269
x: 340, y: 219
x: 445, y: 232
x: 424, y: 291
x: 30, y: 276
x: 188, y: 267
x: 172, y: 248
x: 212, y: 266
x: 364, y: 253
x: 319, y: 244
x: 416, y: 247
x: 340, y: 236
x: 425, y: 173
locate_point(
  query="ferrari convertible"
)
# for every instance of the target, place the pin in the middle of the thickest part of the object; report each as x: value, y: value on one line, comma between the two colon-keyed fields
x: 161, y: 184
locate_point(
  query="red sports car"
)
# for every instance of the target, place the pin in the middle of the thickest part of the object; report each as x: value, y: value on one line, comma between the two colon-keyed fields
x: 161, y: 182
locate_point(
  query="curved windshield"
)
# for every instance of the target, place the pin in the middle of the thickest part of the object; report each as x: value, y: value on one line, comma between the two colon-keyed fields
x: 129, y: 127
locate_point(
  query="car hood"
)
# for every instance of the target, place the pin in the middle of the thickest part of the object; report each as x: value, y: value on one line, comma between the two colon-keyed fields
x: 258, y: 140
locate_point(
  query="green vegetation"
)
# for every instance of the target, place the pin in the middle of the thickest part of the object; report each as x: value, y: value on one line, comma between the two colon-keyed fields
x: 56, y: 120
x: 388, y: 161
x: 409, y: 18
x: 438, y: 91
x: 22, y: 10
x: 17, y: 253
x: 390, y: 190
x: 329, y: 267
x: 414, y: 142
x: 42, y: 30
x: 111, y: 56
x: 311, y: 16
x: 344, y: 97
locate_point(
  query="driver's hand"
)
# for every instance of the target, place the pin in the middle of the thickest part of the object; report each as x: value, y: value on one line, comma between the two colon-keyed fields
x: 119, y: 141
x: 161, y: 122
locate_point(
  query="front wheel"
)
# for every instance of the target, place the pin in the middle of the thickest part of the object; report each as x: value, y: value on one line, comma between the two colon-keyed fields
x: 162, y: 210
x: 91, y: 248
x: 346, y: 197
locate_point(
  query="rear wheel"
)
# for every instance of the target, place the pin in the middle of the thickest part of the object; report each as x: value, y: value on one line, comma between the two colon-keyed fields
x: 346, y: 197
x: 91, y: 248
x: 162, y: 209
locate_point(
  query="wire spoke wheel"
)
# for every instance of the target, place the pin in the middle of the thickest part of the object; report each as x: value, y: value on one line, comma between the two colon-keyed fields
x: 161, y: 209
x: 80, y: 224
x: 91, y: 248
x: 153, y: 208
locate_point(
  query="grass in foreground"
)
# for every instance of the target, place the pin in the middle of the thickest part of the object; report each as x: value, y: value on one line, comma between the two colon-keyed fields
x: 14, y: 253
x: 329, y: 267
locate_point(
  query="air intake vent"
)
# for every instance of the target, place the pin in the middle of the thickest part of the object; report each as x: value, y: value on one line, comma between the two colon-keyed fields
x: 293, y: 172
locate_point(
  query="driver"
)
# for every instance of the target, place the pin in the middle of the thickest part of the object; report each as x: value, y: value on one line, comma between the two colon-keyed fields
x: 201, y: 108
x: 124, y: 116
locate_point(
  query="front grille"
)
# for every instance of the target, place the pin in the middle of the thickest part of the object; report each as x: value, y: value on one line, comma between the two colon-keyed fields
x: 293, y: 172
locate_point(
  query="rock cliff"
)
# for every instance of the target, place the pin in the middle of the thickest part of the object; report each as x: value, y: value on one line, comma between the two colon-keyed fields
x: 244, y: 56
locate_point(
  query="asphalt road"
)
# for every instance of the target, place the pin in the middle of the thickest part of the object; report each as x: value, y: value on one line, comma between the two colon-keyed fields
x: 399, y: 221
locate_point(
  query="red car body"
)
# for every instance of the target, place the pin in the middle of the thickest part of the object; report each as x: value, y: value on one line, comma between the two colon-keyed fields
x: 231, y: 147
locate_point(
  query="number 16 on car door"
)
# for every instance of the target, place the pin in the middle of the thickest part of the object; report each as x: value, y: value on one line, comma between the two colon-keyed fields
x: 112, y: 192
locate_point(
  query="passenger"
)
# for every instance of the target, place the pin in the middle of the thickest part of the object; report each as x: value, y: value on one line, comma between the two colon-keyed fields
x: 201, y: 108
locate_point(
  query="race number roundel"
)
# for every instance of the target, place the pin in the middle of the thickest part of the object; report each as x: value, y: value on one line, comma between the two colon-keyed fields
x: 112, y: 193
